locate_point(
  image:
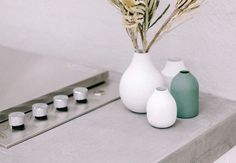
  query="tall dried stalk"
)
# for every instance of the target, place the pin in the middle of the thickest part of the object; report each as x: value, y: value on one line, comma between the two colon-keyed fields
x: 138, y: 18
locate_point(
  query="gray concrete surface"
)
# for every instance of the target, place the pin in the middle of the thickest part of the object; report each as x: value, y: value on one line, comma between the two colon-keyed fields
x: 114, y: 134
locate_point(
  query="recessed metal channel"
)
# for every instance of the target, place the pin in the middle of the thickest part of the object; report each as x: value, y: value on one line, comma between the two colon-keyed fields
x: 101, y: 92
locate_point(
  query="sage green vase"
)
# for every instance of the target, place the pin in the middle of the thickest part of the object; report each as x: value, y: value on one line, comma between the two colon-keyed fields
x: 185, y: 90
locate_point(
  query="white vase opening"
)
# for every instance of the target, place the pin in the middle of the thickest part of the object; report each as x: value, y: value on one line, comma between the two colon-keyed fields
x: 161, y: 89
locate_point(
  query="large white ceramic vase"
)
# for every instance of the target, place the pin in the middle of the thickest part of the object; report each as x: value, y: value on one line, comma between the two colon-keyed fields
x: 138, y: 82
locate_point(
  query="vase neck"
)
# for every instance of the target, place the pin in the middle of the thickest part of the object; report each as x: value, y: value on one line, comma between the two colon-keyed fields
x: 142, y: 58
x: 174, y: 63
x: 162, y: 90
x: 185, y: 72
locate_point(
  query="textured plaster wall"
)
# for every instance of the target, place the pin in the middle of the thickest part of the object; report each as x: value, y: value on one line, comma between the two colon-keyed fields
x: 90, y: 32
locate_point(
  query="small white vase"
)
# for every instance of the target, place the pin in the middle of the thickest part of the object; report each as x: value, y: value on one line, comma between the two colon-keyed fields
x: 161, y: 108
x: 172, y: 68
x: 138, y: 82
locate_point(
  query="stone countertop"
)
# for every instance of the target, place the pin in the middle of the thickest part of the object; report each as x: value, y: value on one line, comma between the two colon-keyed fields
x: 114, y: 134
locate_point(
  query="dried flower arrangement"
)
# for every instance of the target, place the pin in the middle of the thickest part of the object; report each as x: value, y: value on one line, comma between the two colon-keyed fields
x: 138, y: 18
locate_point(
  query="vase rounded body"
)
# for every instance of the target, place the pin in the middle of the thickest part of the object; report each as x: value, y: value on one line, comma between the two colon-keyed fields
x: 172, y: 67
x: 185, y: 90
x: 138, y: 82
x: 161, y: 109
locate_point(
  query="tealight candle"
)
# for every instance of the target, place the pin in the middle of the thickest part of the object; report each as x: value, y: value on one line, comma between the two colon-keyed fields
x: 40, y: 111
x: 61, y: 102
x: 80, y: 94
x: 16, y: 120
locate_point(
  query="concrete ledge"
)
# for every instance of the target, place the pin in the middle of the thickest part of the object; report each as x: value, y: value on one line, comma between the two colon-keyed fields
x: 114, y: 134
x: 210, y: 145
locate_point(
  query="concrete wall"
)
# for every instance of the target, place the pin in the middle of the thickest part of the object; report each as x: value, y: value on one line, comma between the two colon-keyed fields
x: 90, y: 32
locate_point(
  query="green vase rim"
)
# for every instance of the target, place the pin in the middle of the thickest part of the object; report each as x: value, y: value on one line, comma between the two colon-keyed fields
x: 184, y: 72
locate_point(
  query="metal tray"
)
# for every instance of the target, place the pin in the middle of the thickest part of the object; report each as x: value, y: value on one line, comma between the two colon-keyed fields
x: 101, y: 92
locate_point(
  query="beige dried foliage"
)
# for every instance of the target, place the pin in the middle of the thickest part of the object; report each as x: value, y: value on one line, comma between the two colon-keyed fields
x: 138, y: 18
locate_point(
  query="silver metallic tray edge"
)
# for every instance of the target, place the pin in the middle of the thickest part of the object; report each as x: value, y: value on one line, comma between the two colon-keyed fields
x: 48, y: 98
x: 9, y: 138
